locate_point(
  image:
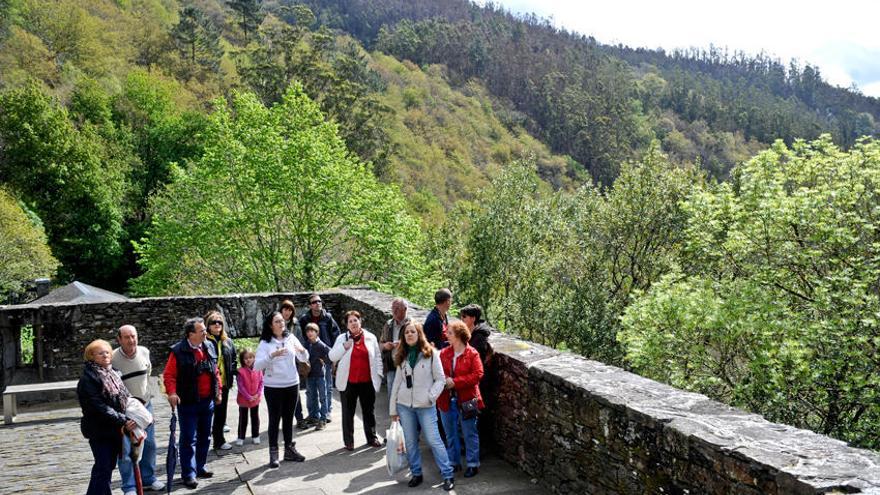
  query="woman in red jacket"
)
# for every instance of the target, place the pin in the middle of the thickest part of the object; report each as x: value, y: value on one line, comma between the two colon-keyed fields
x: 461, y: 398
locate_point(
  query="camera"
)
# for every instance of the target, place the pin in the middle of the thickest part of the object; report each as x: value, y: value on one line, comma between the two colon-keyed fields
x: 409, y: 381
x: 203, y: 366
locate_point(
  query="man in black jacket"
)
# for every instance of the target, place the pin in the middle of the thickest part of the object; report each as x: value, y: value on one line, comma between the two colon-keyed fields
x: 472, y: 316
x: 193, y: 386
x: 328, y: 330
x: 437, y: 320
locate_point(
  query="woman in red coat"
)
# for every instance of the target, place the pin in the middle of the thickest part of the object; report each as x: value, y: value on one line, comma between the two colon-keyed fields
x: 461, y: 399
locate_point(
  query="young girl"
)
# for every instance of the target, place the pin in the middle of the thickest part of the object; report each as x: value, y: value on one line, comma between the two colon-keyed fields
x: 250, y: 390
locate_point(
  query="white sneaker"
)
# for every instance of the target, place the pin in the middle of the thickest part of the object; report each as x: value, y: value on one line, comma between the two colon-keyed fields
x: 157, y: 486
x: 131, y: 492
x: 226, y: 446
x: 239, y: 442
x: 225, y: 428
x: 256, y: 440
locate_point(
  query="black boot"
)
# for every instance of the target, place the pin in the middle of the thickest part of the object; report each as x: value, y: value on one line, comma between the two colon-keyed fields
x: 415, y: 481
x: 290, y: 453
x: 273, y: 457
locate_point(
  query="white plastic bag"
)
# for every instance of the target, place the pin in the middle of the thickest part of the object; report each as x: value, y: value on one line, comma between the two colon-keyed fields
x: 137, y: 412
x: 395, y: 449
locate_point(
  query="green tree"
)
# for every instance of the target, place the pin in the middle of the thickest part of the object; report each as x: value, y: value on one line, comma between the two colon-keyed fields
x: 276, y: 202
x: 776, y: 304
x: 72, y: 178
x: 333, y: 72
x: 198, y: 41
x: 250, y: 13
x: 559, y: 267
x: 24, y: 254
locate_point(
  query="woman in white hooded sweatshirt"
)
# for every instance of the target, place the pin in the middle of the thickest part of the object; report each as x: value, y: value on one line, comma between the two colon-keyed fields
x: 276, y: 355
x: 418, y: 382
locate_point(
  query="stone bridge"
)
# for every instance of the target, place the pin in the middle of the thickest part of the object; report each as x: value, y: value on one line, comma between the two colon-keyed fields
x: 573, y: 425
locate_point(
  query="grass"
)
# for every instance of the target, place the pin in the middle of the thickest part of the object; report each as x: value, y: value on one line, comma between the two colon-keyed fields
x: 27, y: 344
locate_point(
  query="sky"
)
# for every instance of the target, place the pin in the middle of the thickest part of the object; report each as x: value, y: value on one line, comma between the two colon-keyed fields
x: 841, y: 38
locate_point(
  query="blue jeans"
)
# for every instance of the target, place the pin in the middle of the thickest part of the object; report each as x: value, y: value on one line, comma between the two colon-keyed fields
x: 454, y: 425
x: 195, y: 436
x: 316, y: 398
x: 328, y: 392
x: 105, y: 452
x: 389, y: 383
x: 411, y: 418
x: 147, y: 462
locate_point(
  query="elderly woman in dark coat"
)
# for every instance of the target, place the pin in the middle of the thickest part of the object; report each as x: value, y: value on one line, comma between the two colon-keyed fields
x: 103, y: 398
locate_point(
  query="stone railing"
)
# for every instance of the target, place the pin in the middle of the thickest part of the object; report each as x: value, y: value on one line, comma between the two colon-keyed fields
x: 61, y: 331
x: 576, y: 425
x: 585, y: 427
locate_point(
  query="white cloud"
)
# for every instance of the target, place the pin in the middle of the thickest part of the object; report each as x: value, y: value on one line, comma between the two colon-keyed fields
x: 871, y: 89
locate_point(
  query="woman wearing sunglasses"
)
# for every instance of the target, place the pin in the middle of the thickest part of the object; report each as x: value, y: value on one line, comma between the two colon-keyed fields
x: 228, y: 369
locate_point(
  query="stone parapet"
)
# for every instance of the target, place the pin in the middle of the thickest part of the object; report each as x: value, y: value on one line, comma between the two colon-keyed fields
x: 62, y: 330
x: 585, y: 427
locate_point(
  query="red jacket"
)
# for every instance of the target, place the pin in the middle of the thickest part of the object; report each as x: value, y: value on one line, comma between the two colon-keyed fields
x: 468, y: 371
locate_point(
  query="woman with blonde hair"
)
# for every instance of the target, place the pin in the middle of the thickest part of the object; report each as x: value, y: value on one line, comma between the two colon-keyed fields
x: 103, y: 398
x: 228, y: 370
x: 418, y: 383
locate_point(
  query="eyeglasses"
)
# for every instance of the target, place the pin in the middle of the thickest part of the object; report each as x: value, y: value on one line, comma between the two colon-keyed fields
x: 215, y: 322
x: 315, y: 302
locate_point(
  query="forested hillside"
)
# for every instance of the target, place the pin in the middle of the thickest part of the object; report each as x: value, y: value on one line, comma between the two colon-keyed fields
x: 704, y: 218
x: 110, y: 95
x: 602, y: 104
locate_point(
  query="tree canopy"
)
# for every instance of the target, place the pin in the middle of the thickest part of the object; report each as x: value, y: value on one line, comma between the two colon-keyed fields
x: 24, y: 254
x: 775, y: 304
x: 276, y: 202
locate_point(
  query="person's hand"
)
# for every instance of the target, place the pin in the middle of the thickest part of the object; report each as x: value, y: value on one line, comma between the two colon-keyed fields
x: 395, y: 418
x: 129, y: 426
x: 396, y: 343
x: 347, y: 344
x: 279, y: 352
x: 450, y: 383
x: 388, y: 346
x: 218, y: 399
x: 173, y: 400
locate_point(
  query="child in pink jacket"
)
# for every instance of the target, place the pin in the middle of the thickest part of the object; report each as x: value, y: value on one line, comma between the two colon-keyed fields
x: 250, y: 391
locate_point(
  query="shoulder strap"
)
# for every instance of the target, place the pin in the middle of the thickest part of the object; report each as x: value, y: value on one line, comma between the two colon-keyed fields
x: 133, y: 374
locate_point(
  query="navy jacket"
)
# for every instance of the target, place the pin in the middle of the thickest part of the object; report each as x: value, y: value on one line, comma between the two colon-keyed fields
x: 318, y: 353
x: 101, y: 420
x: 434, y: 329
x: 329, y: 330
x: 187, y: 374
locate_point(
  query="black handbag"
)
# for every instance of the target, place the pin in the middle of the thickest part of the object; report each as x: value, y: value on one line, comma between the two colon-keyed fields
x: 468, y: 408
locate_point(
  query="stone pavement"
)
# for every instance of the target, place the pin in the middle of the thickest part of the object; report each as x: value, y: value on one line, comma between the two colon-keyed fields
x: 44, y: 452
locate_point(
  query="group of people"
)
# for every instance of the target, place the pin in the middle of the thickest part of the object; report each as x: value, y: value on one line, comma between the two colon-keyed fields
x: 433, y: 373
x: 436, y: 369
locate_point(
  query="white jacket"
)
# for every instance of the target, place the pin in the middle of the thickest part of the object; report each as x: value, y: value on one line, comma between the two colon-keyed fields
x: 280, y: 372
x: 428, y: 383
x: 343, y: 357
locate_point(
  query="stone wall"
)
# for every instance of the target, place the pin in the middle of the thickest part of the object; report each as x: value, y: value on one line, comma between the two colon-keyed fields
x: 63, y: 330
x: 578, y: 426
x: 584, y: 427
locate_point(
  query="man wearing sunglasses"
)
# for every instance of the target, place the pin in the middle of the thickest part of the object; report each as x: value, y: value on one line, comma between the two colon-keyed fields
x: 328, y: 331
